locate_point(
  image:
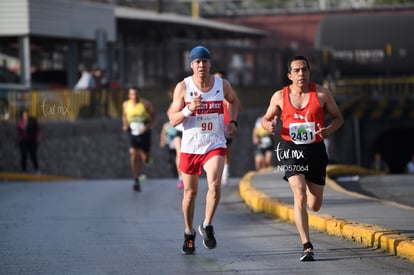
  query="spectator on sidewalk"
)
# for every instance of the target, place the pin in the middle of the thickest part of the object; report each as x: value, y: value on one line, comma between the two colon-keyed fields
x: 28, y: 132
x: 410, y: 166
x: 379, y: 165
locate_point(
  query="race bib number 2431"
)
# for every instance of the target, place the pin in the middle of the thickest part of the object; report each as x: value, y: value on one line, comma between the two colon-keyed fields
x: 302, y: 132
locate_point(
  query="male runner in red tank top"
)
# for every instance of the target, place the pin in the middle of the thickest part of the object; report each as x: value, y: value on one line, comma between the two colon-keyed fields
x: 301, y: 107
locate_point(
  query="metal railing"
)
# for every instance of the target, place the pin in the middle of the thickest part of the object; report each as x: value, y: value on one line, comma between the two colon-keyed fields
x: 72, y: 105
x: 390, y: 87
x: 61, y: 104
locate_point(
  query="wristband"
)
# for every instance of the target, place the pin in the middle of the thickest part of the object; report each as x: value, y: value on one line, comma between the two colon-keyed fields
x: 186, y: 111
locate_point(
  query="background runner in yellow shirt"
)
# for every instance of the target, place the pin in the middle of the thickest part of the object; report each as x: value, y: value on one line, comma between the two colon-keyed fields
x: 138, y: 117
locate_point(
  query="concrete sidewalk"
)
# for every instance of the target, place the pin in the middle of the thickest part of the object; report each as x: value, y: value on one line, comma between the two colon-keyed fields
x: 374, y: 223
x: 14, y: 176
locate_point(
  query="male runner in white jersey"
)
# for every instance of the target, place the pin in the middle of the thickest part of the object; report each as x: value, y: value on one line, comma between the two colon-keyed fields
x: 198, y: 105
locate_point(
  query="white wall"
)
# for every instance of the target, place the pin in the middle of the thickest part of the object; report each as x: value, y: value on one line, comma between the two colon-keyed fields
x: 58, y: 18
x: 14, y: 17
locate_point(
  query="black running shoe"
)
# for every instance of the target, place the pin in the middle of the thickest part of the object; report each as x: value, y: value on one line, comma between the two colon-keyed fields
x: 137, y: 186
x: 208, y: 235
x: 189, y: 246
x: 307, y: 255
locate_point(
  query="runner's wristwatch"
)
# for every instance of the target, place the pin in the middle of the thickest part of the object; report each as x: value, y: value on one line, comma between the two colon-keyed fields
x: 234, y: 122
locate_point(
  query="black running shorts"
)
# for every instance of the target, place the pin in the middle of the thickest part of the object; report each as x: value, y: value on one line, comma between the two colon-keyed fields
x: 142, y: 142
x: 307, y: 159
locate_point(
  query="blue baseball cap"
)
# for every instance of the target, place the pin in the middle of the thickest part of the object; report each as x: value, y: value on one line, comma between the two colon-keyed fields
x: 199, y: 52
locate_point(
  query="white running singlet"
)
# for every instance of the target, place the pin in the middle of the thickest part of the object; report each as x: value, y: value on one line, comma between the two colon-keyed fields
x: 204, y: 129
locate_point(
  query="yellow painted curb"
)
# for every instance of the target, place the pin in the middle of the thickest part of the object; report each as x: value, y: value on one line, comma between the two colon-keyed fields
x: 31, y: 177
x: 369, y: 235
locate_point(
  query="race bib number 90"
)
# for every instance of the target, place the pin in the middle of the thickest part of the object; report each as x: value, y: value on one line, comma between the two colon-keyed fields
x: 302, y: 132
x: 207, y: 123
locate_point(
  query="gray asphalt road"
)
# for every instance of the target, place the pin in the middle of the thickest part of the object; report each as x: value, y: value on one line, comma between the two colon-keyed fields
x: 103, y: 227
x: 396, y: 188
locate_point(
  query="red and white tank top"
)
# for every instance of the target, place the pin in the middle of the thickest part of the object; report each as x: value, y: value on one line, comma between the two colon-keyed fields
x: 204, y: 129
x: 299, y: 125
